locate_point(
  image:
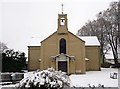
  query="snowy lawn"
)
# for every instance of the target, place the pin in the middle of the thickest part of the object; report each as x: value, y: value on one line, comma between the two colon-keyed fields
x: 89, y: 79
x: 95, y: 78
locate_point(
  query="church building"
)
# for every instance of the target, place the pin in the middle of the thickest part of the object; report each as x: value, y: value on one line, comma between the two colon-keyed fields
x: 65, y: 51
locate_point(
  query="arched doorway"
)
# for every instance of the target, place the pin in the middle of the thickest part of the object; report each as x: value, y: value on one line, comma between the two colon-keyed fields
x: 62, y: 46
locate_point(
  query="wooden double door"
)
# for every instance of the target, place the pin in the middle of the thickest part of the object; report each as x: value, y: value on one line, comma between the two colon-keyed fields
x: 62, y: 65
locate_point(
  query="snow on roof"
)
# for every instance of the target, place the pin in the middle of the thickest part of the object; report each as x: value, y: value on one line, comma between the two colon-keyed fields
x: 34, y: 45
x: 90, y: 40
x: 35, y: 42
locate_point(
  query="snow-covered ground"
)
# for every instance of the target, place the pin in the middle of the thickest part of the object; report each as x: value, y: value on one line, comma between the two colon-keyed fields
x: 95, y: 78
x: 90, y: 78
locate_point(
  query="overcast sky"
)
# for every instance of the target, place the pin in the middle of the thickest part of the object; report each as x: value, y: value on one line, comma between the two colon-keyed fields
x: 25, y: 22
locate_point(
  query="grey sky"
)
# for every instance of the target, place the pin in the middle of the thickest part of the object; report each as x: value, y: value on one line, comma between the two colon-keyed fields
x: 20, y: 20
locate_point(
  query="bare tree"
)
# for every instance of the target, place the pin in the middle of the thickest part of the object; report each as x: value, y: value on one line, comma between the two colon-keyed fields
x: 96, y: 28
x: 111, y: 15
x: 118, y: 15
x: 107, y: 28
x: 3, y: 46
x: 119, y: 29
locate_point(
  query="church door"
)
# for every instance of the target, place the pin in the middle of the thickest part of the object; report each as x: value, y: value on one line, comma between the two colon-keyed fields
x: 62, y: 65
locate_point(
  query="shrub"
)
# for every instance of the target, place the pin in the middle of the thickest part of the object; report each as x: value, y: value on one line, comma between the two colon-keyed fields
x: 46, y: 79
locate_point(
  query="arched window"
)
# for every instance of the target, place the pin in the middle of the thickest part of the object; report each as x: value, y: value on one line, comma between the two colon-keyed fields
x: 62, y: 46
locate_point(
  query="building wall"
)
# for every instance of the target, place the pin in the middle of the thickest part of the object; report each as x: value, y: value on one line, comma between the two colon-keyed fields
x: 48, y: 49
x: 87, y: 65
x: 74, y: 47
x: 34, y: 57
x: 93, y: 54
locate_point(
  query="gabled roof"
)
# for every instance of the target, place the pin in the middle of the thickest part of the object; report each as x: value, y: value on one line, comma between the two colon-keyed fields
x: 90, y: 40
x: 68, y: 32
x: 48, y: 36
x: 37, y: 42
x: 76, y: 36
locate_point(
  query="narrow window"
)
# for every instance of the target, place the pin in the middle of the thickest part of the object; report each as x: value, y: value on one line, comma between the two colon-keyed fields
x: 62, y: 45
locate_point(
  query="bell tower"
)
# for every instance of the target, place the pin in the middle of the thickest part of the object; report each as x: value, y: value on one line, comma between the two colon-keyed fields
x: 62, y: 22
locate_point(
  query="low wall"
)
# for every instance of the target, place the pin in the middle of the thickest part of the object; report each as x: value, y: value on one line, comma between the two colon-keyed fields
x: 67, y: 88
x: 8, y: 77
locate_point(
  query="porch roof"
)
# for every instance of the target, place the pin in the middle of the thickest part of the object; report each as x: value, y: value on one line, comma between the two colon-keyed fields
x: 70, y: 57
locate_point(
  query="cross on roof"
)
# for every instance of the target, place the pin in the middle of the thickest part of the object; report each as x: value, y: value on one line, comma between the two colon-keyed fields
x: 62, y: 8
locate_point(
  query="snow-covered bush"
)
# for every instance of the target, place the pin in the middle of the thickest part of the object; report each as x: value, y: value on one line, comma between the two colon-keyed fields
x: 46, y: 79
